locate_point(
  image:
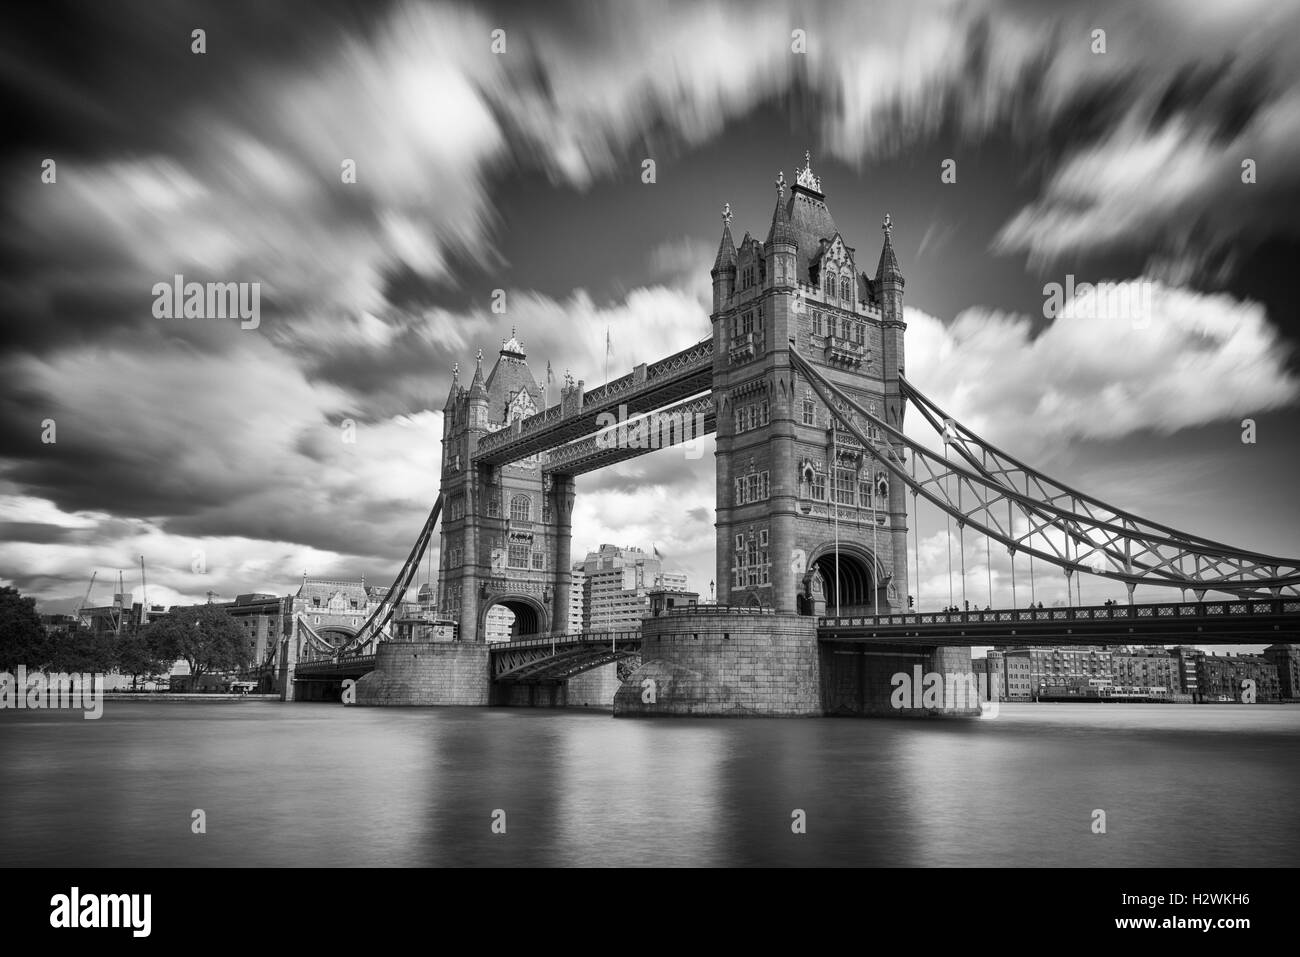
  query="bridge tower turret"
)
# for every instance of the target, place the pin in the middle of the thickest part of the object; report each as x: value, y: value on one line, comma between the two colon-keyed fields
x: 806, y: 520
x: 724, y: 265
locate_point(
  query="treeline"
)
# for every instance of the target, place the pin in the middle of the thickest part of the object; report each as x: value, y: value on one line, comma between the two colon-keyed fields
x: 205, y: 636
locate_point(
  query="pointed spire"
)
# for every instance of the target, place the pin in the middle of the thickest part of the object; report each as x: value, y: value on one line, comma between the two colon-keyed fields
x: 455, y: 387
x: 477, y: 387
x: 780, y: 231
x: 726, y: 258
x: 888, y: 270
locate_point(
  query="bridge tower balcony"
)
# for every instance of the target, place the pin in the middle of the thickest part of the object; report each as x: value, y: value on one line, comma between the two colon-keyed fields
x: 743, y: 348
x: 846, y: 352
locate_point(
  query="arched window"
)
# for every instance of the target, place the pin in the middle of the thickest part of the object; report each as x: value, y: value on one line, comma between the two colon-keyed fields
x: 830, y: 285
x: 520, y: 508
x: 846, y: 290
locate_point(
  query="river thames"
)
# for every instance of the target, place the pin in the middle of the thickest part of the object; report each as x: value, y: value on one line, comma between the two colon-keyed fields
x: 324, y: 785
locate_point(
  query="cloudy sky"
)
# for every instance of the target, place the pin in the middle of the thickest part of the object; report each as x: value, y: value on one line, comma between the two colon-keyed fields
x: 218, y: 452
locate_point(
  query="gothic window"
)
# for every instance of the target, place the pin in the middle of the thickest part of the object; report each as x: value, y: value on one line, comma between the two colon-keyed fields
x: 747, y: 323
x: 809, y: 412
x: 864, y: 491
x: 539, y: 561
x: 845, y: 292
x: 845, y: 480
x: 763, y: 413
x: 520, y: 508
x: 753, y: 417
x: 818, y: 324
x: 830, y: 285
x: 494, y: 505
x: 518, y: 557
x: 819, y: 486
x: 739, y: 425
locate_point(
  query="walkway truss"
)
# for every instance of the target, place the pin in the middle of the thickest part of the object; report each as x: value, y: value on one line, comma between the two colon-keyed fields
x: 1026, y: 511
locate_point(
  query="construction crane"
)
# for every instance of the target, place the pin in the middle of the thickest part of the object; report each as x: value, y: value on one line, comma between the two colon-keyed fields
x: 144, y: 596
x: 82, y: 607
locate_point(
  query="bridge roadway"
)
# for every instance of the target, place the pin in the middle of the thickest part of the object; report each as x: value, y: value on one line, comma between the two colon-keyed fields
x: 1245, y: 621
x: 1248, y: 621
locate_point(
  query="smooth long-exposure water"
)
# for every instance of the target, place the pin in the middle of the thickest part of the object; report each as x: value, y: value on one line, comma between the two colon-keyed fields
x: 303, y: 784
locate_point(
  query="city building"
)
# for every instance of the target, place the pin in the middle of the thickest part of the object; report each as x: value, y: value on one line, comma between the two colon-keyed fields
x: 1064, y: 666
x: 577, y: 589
x: 1187, y: 658
x: 1223, y: 678
x: 1019, y: 677
x: 1146, y: 671
x: 617, y: 583
x: 1286, y: 658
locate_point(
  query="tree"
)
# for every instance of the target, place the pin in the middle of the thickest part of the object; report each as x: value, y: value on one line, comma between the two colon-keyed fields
x: 142, y: 652
x: 78, y: 650
x: 205, y: 636
x: 22, y: 639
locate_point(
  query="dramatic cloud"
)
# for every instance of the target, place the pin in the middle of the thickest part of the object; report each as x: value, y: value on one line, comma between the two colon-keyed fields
x: 1179, y: 360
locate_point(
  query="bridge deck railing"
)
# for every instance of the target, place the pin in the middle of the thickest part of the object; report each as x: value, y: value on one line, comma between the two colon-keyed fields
x: 1199, y: 609
x: 568, y: 638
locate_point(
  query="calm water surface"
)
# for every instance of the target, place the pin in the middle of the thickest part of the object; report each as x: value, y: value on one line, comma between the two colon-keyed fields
x: 320, y: 784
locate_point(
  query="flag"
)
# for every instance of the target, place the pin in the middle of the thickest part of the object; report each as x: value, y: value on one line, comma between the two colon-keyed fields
x: 550, y: 377
x: 656, y: 551
x: 607, y: 345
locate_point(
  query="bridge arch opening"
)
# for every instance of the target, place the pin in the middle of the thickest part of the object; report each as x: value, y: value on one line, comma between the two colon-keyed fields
x: 525, y: 616
x: 853, y: 590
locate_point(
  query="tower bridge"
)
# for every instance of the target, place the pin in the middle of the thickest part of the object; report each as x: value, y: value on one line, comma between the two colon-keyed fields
x: 802, y: 380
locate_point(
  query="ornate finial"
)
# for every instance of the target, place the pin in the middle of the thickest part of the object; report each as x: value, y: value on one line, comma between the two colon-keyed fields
x: 780, y: 183
x: 726, y: 214
x: 805, y: 176
x: 887, y: 225
x: 512, y: 332
x: 479, y: 357
x: 455, y: 371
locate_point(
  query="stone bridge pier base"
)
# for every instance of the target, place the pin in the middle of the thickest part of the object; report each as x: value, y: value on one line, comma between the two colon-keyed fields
x: 736, y: 663
x: 427, y: 673
x: 726, y: 663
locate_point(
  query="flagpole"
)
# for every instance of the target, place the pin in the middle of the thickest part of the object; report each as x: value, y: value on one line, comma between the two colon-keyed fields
x: 835, y: 497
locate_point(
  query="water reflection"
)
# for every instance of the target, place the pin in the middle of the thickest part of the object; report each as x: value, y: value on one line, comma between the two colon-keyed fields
x: 324, y: 785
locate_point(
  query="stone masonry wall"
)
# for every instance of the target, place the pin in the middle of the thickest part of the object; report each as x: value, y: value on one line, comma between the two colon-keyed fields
x: 427, y: 673
x: 725, y: 665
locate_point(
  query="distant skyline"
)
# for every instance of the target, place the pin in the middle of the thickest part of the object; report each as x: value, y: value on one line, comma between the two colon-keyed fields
x: 219, y: 453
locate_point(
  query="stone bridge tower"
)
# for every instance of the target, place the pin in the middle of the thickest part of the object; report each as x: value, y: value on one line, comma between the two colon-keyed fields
x: 789, y: 483
x: 505, y: 530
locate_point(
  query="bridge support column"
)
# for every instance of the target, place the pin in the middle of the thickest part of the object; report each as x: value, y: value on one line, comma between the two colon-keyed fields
x: 427, y: 673
x: 563, y: 488
x: 288, y: 664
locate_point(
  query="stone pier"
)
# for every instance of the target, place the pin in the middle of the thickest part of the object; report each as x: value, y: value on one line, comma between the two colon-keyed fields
x: 427, y: 673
